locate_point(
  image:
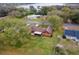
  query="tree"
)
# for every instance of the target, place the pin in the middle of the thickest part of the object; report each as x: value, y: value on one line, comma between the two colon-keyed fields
x: 15, y: 13
x: 56, y: 21
x: 55, y: 12
x: 66, y: 12
x: 4, y: 10
x: 32, y: 10
x: 48, y: 10
x: 75, y: 16
x: 19, y: 12
x: 43, y: 11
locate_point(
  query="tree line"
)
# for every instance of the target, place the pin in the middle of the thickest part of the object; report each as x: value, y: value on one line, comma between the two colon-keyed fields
x: 64, y: 12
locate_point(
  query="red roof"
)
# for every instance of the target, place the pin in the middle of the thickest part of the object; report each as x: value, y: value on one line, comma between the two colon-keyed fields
x: 49, y: 30
x: 38, y: 29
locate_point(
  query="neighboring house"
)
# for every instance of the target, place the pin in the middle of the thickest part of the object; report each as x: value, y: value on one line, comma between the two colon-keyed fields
x: 42, y: 31
x: 71, y: 31
x: 30, y: 17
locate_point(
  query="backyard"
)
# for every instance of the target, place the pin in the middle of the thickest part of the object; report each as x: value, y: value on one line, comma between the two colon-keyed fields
x: 16, y: 39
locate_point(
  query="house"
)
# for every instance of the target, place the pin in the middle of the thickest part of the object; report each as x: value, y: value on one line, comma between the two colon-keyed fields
x: 42, y: 31
x: 30, y: 17
x: 71, y: 31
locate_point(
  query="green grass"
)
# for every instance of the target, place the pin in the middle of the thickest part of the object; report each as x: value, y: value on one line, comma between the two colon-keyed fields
x: 16, y: 39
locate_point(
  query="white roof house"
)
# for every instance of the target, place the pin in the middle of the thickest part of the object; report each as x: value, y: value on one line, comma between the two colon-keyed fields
x: 33, y: 16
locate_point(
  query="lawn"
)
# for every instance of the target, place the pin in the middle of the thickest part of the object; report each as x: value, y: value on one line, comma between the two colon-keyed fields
x: 16, y: 39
